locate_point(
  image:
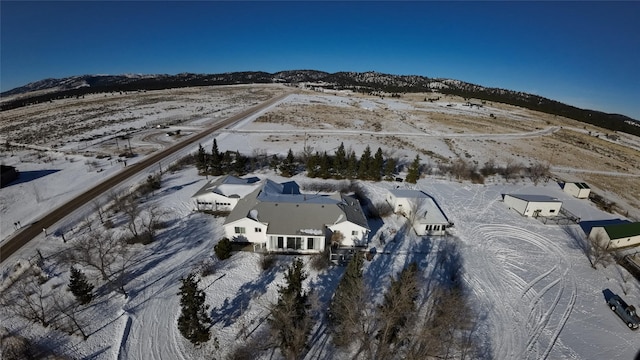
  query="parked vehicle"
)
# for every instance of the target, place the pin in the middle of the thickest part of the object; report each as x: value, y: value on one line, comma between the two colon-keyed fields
x: 626, y: 312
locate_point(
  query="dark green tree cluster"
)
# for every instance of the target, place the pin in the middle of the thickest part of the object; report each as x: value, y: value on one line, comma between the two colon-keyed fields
x: 398, y: 305
x: 217, y: 163
x: 290, y: 320
x: 343, y: 165
x: 223, y: 249
x: 413, y: 174
x: 193, y: 321
x: 80, y: 287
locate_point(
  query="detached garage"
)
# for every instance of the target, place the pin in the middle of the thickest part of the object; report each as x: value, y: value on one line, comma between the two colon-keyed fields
x: 618, y: 235
x: 579, y: 190
x: 533, y: 205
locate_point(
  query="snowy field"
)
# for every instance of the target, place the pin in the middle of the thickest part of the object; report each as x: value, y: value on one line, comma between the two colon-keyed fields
x: 531, y: 284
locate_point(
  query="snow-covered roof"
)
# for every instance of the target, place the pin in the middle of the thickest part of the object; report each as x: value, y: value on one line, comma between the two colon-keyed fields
x: 295, y: 213
x: 408, y: 194
x: 430, y: 213
x: 229, y: 186
x: 535, y: 198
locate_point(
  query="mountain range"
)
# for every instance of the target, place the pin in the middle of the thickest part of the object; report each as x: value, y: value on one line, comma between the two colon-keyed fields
x: 366, y: 82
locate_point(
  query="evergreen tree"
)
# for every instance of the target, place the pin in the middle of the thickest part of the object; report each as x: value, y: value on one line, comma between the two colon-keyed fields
x: 288, y: 166
x: 389, y: 169
x: 323, y: 170
x: 239, y: 164
x: 414, y: 171
x: 345, y: 310
x: 193, y: 320
x: 290, y: 321
x: 312, y: 165
x: 201, y: 159
x: 340, y: 162
x: 399, y: 305
x: 377, y: 165
x: 215, y: 160
x: 80, y: 287
x: 365, y: 164
x: 274, y: 163
x: 352, y: 166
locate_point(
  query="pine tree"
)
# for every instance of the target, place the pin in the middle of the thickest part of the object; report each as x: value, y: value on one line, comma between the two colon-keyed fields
x: 193, y: 319
x: 398, y: 306
x: 201, y: 158
x: 288, y: 166
x: 290, y: 321
x: 352, y: 166
x: 80, y: 287
x: 389, y: 169
x: 377, y: 165
x: 312, y: 165
x: 346, y: 310
x: 340, y: 162
x: 365, y: 164
x: 323, y: 170
x: 216, y: 157
x: 414, y: 171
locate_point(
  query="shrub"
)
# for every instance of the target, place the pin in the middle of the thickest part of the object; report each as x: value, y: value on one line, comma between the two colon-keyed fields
x: 321, y: 260
x: 223, y: 249
x: 267, y: 261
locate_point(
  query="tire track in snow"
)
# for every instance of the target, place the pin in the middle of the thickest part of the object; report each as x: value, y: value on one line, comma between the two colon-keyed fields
x: 548, y: 317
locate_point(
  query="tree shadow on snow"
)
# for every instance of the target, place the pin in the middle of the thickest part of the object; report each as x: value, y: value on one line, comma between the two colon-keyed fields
x: 383, y: 261
x: 27, y: 176
x: 231, y: 310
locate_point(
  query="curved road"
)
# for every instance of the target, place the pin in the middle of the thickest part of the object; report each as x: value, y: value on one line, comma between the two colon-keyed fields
x: 14, y: 243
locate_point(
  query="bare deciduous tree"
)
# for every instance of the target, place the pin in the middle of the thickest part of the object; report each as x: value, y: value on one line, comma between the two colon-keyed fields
x: 29, y: 300
x: 599, y: 251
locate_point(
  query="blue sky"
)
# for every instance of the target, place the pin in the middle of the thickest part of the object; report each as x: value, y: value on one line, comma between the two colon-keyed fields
x: 585, y: 54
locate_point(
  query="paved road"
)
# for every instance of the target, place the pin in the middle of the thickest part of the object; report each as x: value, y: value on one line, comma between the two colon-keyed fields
x: 14, y: 244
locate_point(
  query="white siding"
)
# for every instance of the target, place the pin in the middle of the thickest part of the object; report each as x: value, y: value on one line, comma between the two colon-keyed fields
x: 354, y: 235
x: 614, y: 243
x: 298, y: 243
x: 533, y: 208
x: 576, y: 191
x: 250, y: 231
x: 215, y: 202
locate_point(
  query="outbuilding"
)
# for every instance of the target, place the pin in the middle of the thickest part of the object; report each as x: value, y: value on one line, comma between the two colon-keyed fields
x: 421, y: 209
x: 533, y: 205
x: 618, y: 235
x: 224, y: 193
x: 577, y: 189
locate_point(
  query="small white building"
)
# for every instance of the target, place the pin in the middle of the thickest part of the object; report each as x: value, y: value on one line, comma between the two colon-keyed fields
x: 533, y: 205
x: 277, y: 217
x: 617, y: 235
x: 224, y: 193
x: 427, y: 217
x: 577, y: 189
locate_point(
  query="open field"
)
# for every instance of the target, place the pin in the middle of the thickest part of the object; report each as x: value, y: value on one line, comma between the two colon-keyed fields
x: 532, y: 286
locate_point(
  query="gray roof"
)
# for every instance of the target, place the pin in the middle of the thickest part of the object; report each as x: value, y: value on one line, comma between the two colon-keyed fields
x: 535, y: 198
x: 290, y: 214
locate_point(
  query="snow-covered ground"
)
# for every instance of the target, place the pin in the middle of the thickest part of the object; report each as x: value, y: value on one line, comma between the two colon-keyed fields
x: 533, y: 287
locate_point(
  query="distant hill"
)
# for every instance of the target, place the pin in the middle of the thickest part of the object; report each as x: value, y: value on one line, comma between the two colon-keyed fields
x: 366, y: 82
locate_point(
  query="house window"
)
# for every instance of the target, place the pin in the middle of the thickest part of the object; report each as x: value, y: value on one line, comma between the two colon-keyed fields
x: 294, y: 243
x: 280, y: 242
x: 354, y: 233
x: 310, y: 243
x: 239, y: 230
x: 552, y: 211
x: 258, y: 230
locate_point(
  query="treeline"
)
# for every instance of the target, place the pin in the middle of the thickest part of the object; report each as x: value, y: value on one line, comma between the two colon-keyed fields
x: 342, y: 164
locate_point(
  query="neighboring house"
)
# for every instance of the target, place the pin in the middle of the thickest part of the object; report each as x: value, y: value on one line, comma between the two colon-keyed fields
x: 577, y: 189
x: 7, y: 175
x: 426, y: 216
x: 617, y: 235
x: 533, y: 205
x: 277, y: 217
x: 224, y: 193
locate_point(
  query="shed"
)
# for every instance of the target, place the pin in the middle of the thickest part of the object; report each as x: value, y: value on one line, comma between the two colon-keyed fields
x: 618, y: 235
x: 533, y: 205
x: 577, y: 189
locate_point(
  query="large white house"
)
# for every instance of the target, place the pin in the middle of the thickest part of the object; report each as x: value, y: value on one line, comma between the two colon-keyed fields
x: 619, y: 235
x: 577, y: 189
x: 533, y: 205
x: 277, y: 217
x: 224, y: 193
x: 426, y: 216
